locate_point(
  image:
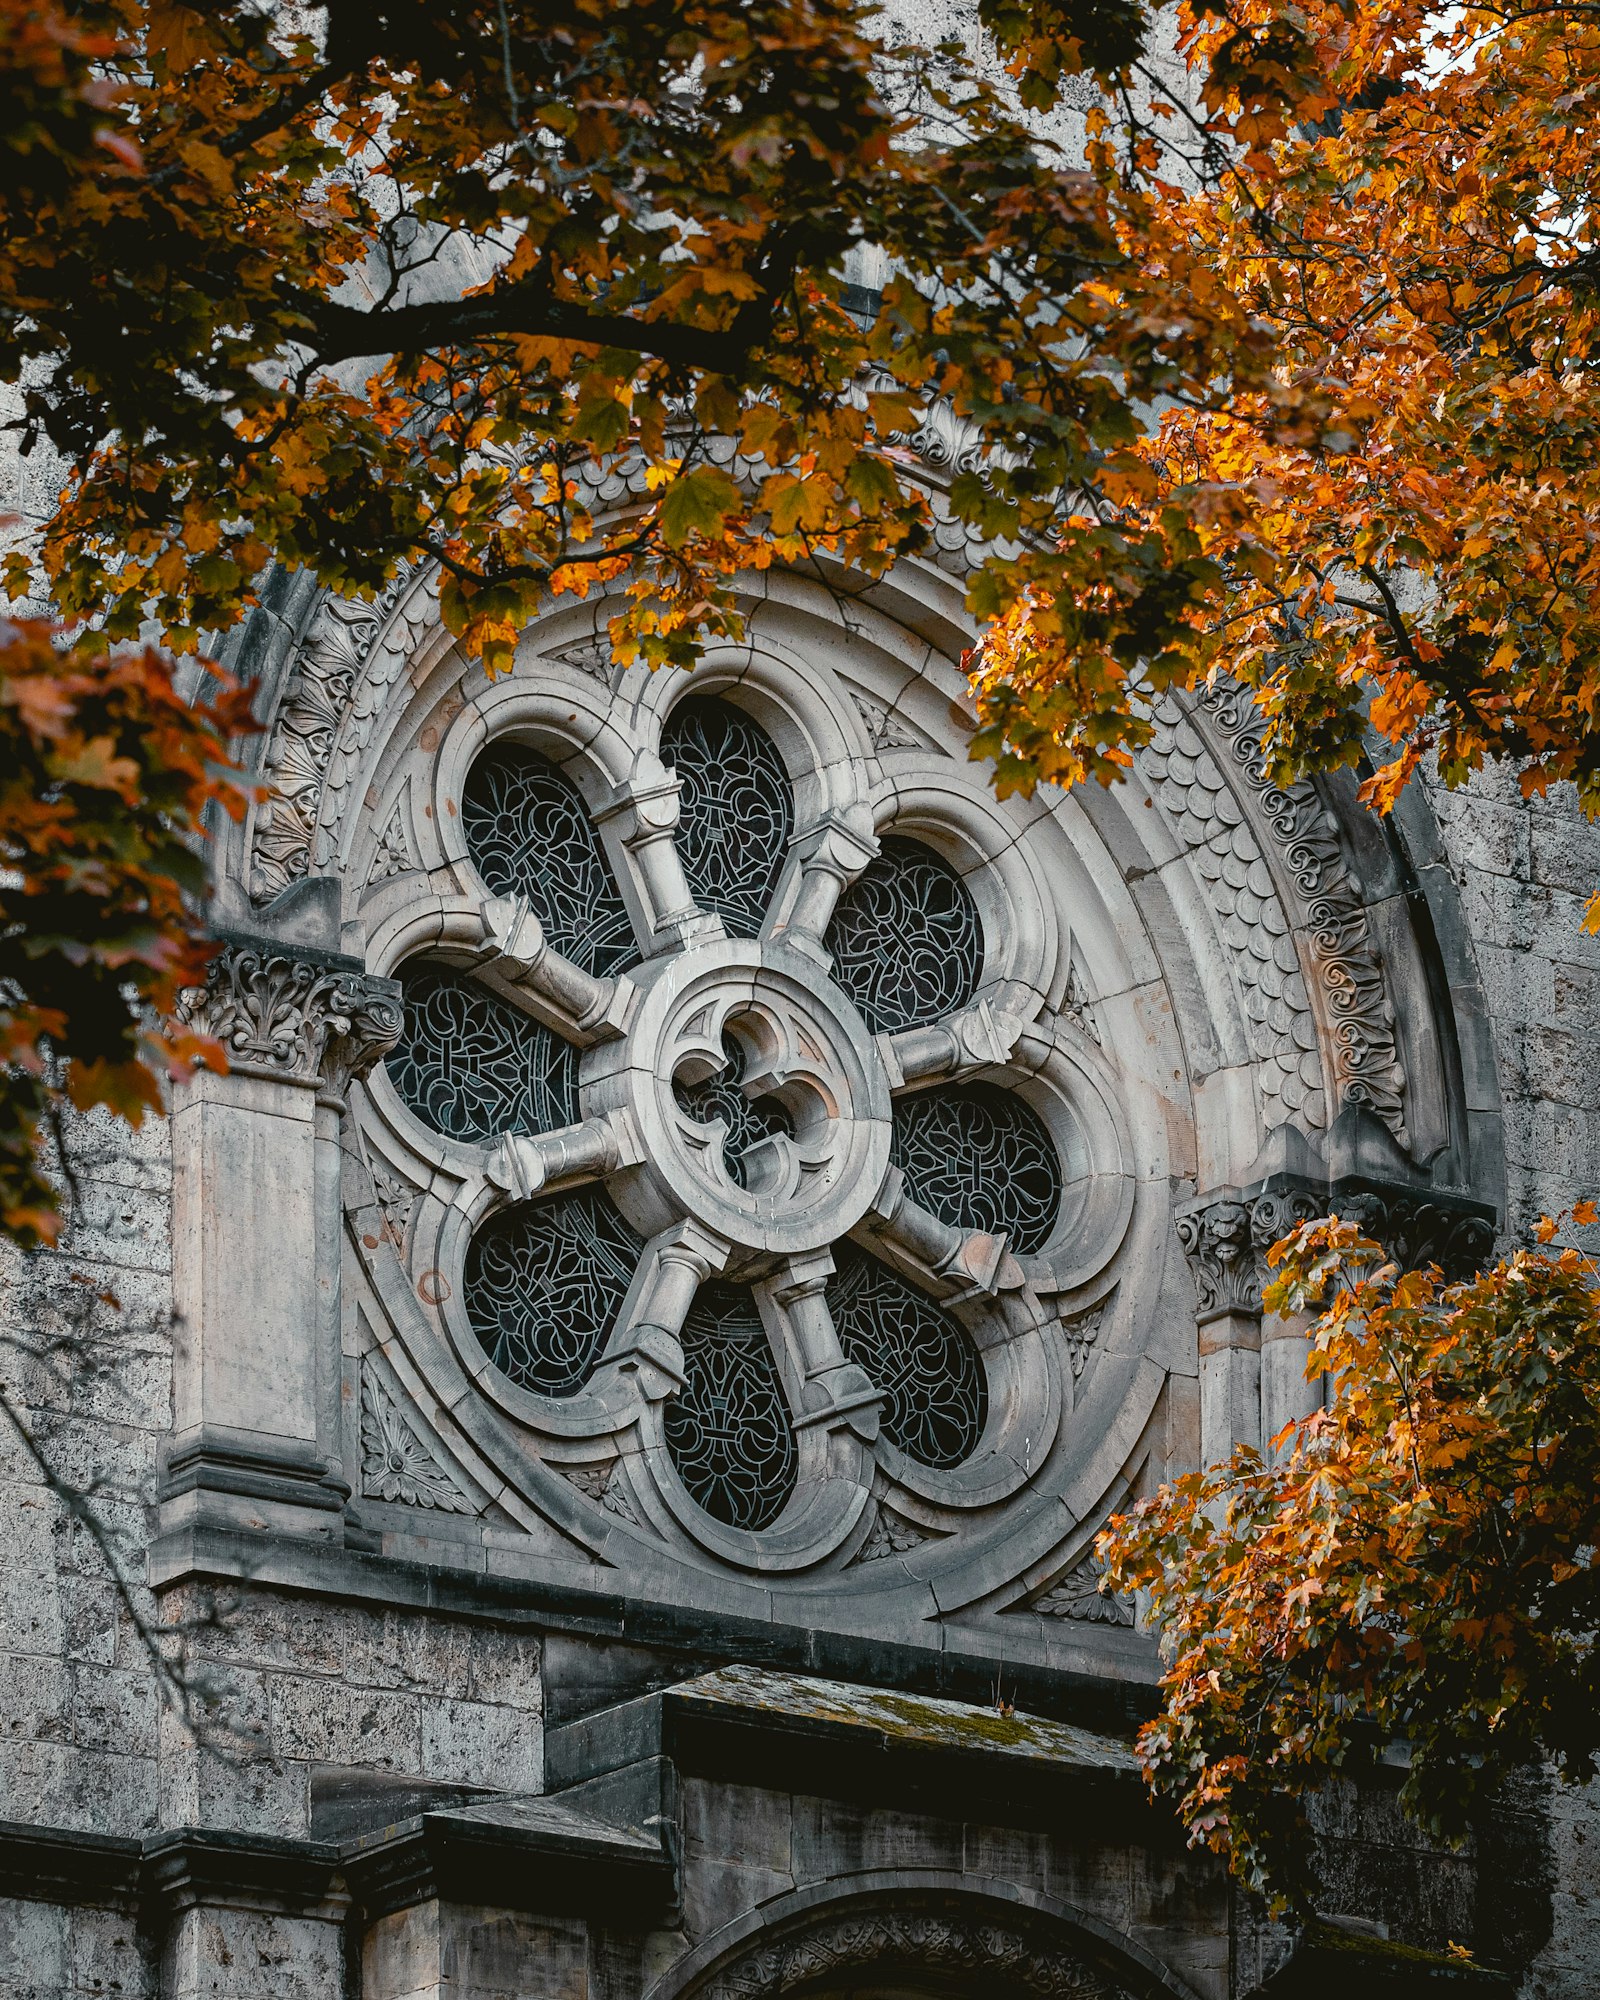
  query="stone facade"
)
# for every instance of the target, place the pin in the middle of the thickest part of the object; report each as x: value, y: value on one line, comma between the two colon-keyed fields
x: 342, y: 1659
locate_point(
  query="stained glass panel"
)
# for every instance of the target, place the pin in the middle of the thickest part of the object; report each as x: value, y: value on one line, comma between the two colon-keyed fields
x: 544, y: 1282
x: 980, y: 1159
x: 728, y: 1428
x: 736, y: 809
x: 473, y: 1066
x: 906, y: 941
x: 529, y: 834
x: 936, y: 1398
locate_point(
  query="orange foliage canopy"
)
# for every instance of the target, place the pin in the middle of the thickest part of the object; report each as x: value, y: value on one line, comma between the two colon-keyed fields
x: 1420, y: 242
x: 106, y: 776
x: 354, y: 287
x: 1419, y: 1563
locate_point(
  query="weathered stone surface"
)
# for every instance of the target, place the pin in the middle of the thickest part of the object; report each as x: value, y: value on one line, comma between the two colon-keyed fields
x: 1194, y: 954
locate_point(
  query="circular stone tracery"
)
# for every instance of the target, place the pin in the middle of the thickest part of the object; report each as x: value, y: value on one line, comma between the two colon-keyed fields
x: 818, y: 1129
x: 743, y: 1100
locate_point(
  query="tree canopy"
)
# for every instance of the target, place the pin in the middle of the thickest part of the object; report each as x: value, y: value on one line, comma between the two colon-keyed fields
x: 1418, y: 1564
x: 353, y: 287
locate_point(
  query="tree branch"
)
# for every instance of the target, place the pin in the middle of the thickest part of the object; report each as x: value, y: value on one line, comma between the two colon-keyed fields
x: 344, y: 333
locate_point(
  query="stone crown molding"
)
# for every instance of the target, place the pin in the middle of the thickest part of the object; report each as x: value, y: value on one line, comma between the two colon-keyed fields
x: 294, y: 1015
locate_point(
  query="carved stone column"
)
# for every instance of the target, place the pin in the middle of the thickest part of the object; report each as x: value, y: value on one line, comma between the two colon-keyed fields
x: 256, y: 1236
x: 1217, y: 1239
x: 1286, y: 1395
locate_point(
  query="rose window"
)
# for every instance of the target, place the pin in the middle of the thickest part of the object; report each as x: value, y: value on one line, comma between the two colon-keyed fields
x: 711, y: 1129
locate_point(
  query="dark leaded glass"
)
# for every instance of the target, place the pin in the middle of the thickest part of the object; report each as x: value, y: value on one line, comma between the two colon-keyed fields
x: 728, y: 1427
x: 980, y: 1159
x: 736, y: 809
x: 906, y: 942
x: 748, y: 1121
x: 936, y: 1398
x: 473, y: 1066
x: 544, y: 1282
x: 529, y: 834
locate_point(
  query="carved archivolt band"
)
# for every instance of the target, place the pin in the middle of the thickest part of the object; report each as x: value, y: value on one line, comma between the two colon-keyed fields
x: 1273, y: 948
x: 962, y: 1943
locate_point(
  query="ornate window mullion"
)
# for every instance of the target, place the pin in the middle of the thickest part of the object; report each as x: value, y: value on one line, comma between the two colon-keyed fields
x: 643, y: 813
x: 961, y: 1045
x: 823, y: 861
x: 952, y: 1264
x: 517, y: 959
x: 524, y: 1164
x: 833, y: 1390
x: 647, y: 1345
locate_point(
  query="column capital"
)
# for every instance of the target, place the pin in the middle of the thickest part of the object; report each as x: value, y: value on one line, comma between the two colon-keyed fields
x: 1227, y: 1232
x: 294, y: 1014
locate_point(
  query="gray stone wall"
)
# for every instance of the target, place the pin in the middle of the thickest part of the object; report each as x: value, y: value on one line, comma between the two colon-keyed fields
x: 87, y: 1359
x: 1525, y: 870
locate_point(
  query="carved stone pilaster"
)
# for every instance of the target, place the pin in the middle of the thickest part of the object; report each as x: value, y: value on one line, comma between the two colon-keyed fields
x: 257, y: 1249
x: 295, y: 1015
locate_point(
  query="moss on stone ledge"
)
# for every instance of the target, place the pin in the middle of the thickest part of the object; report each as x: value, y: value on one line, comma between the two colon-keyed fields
x: 909, y: 1718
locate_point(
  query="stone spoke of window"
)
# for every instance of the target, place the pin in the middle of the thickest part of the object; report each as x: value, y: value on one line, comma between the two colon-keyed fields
x: 517, y: 958
x: 953, y: 1263
x: 833, y: 1385
x: 946, y: 1051
x: 525, y: 1164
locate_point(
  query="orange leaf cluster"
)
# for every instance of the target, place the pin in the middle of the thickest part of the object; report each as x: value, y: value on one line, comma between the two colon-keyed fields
x: 1420, y: 1561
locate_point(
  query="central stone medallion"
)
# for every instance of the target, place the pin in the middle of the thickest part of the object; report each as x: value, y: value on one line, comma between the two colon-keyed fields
x: 758, y: 1094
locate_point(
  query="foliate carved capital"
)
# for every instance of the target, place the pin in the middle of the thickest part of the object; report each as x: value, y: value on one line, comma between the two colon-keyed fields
x: 297, y: 1016
x: 1223, y: 1258
x: 1418, y: 1227
x: 1226, y: 1236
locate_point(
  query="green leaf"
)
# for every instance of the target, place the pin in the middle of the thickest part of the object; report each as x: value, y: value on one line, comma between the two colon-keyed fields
x: 698, y: 503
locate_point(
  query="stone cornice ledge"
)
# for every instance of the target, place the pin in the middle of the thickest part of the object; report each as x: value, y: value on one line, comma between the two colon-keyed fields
x: 519, y: 1854
x: 513, y: 1854
x: 876, y: 1747
x: 202, y: 1553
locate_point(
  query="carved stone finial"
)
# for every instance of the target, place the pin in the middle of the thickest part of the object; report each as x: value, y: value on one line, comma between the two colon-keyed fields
x: 294, y: 1015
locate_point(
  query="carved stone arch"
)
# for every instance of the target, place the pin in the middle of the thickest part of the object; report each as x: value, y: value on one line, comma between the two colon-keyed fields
x: 1107, y: 908
x: 918, y: 1931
